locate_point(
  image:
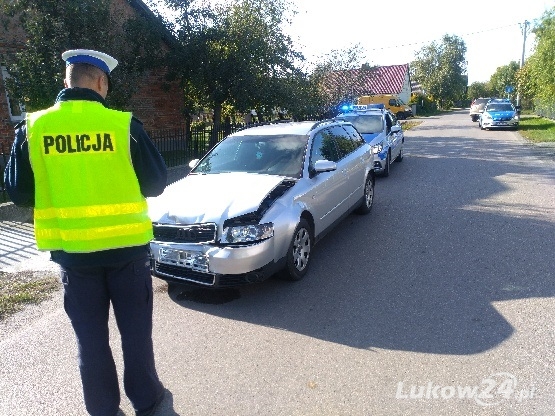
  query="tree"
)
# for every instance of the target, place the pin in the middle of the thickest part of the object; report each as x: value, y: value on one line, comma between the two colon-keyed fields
x: 304, y: 97
x: 537, y: 77
x: 526, y: 85
x: 338, y: 77
x: 53, y: 26
x: 479, y: 89
x: 266, y: 58
x: 441, y: 70
x: 502, y: 78
x: 234, y: 54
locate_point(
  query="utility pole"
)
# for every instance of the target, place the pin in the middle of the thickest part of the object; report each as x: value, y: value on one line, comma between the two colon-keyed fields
x: 524, y: 28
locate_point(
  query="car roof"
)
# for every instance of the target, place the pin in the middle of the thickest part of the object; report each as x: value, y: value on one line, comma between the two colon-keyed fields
x: 290, y: 127
x: 354, y: 112
x: 499, y: 102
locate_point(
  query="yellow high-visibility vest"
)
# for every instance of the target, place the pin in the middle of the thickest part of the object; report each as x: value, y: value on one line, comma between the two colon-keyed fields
x: 87, y: 195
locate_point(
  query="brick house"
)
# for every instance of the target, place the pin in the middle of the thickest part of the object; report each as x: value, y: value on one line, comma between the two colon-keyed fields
x: 11, y: 40
x: 156, y: 106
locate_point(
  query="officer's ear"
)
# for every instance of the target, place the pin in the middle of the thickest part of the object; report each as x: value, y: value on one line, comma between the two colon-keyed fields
x: 102, y: 85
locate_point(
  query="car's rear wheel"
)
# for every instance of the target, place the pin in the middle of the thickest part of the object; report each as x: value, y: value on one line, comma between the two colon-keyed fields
x: 298, y: 254
x: 368, y: 200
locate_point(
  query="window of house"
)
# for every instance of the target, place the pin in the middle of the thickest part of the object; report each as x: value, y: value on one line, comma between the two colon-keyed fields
x: 16, y: 109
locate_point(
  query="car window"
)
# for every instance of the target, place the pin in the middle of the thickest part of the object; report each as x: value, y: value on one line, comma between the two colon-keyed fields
x: 276, y: 155
x: 345, y: 144
x: 354, y: 134
x: 500, y: 107
x: 323, y: 148
x: 480, y: 102
x: 393, y: 118
x: 388, y: 122
x: 366, y: 123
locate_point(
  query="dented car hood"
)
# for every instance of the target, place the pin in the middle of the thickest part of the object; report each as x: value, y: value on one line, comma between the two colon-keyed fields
x: 201, y: 198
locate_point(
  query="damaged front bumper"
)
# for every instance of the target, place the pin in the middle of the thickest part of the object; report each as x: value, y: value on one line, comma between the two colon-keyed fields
x: 213, y: 265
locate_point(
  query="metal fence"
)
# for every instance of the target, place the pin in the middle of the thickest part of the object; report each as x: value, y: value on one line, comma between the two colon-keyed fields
x: 544, y: 109
x: 4, y: 153
x: 179, y: 146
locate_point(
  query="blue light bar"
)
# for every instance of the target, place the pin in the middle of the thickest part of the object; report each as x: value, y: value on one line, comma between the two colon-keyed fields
x: 346, y: 107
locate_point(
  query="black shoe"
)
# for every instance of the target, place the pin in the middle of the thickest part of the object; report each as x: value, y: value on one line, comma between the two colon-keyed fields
x: 151, y: 411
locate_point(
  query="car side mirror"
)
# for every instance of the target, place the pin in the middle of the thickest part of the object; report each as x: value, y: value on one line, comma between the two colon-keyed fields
x: 396, y: 129
x: 518, y: 108
x: 323, y: 166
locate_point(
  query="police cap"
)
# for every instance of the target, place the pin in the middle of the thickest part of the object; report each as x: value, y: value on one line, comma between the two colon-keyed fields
x: 88, y: 56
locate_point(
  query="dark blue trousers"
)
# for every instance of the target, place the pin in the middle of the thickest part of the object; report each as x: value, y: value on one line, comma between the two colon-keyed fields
x: 88, y: 293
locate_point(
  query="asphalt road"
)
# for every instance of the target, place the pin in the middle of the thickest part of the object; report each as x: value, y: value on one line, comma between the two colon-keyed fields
x: 440, y: 302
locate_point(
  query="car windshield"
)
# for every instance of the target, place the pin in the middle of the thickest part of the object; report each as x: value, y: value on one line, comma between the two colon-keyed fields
x: 500, y: 107
x: 274, y: 155
x: 366, y: 123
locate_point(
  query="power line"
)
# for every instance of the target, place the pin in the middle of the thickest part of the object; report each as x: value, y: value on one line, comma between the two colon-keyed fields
x: 425, y: 42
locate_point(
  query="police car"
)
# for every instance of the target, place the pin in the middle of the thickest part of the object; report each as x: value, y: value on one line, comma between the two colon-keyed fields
x: 380, y: 128
x: 499, y: 114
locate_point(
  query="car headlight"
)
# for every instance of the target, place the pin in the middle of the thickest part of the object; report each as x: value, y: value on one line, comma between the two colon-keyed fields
x: 516, y: 117
x: 486, y: 116
x: 247, y: 233
x: 377, y: 148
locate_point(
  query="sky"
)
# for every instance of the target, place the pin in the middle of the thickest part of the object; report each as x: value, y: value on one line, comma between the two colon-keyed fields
x: 391, y: 32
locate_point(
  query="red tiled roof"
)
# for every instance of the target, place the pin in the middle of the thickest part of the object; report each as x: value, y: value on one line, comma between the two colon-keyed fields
x: 388, y: 79
x: 379, y: 80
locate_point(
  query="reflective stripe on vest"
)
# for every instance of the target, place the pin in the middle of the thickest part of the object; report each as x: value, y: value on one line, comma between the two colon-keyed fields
x: 87, y: 195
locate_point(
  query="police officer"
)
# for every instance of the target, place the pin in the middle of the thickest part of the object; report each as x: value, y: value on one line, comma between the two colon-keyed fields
x: 86, y: 169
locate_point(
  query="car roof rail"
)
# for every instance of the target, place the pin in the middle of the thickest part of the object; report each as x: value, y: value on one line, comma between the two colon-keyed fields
x: 320, y: 122
x: 264, y: 123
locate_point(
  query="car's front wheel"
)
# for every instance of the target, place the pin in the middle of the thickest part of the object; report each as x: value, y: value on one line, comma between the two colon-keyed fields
x: 385, y: 171
x: 400, y: 156
x: 298, y: 254
x: 368, y: 199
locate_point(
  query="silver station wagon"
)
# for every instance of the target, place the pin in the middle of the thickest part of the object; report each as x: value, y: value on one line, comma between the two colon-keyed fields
x: 255, y: 205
